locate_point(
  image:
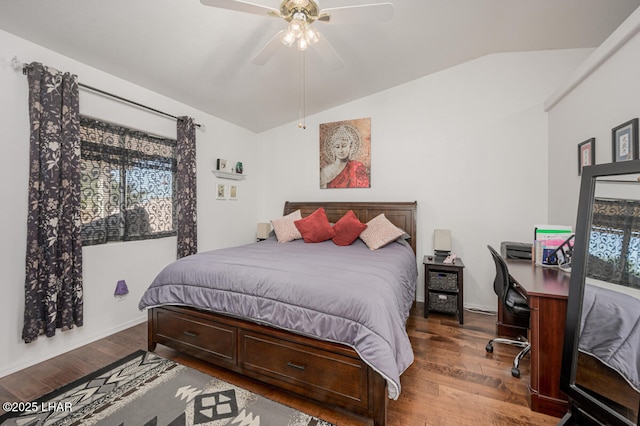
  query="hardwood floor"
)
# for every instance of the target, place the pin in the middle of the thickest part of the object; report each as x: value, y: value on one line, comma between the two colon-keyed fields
x: 452, y: 381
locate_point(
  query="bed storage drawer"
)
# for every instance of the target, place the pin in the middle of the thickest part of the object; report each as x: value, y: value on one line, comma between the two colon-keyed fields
x: 305, y: 367
x: 215, y: 341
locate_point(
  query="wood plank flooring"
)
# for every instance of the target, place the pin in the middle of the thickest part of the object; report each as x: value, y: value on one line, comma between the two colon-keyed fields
x: 452, y: 381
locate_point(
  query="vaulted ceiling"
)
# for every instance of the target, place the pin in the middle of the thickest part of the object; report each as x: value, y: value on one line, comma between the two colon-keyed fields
x: 201, y: 55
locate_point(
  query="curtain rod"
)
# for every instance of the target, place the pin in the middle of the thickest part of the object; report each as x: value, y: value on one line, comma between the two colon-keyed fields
x: 15, y: 62
x: 120, y: 98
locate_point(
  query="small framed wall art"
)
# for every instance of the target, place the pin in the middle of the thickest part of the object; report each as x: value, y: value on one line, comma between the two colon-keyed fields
x: 625, y: 141
x: 221, y: 191
x: 586, y: 154
x: 221, y: 165
x: 233, y: 192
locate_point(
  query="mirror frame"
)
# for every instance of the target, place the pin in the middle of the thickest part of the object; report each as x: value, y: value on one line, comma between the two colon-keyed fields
x: 586, y: 404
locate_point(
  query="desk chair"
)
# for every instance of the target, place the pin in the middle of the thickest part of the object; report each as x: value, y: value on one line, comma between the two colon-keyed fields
x: 514, y: 302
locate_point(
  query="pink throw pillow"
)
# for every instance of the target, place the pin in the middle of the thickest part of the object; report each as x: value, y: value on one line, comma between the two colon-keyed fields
x: 380, y: 232
x: 285, y: 229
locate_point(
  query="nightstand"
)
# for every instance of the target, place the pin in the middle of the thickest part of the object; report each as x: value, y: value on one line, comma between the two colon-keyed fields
x: 443, y: 286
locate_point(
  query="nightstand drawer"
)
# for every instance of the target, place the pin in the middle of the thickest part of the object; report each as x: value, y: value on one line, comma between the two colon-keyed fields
x: 443, y: 302
x: 447, y: 281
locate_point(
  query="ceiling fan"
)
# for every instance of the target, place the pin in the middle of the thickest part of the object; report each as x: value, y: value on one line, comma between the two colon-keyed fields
x: 300, y: 15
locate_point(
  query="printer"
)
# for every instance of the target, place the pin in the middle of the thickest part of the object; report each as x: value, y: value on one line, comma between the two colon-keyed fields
x: 515, y: 250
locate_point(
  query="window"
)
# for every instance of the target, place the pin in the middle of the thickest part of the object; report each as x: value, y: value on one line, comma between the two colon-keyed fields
x: 614, y: 243
x: 127, y: 184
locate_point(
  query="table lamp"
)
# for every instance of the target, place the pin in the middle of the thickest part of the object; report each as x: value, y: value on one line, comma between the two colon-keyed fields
x: 264, y: 229
x: 442, y: 242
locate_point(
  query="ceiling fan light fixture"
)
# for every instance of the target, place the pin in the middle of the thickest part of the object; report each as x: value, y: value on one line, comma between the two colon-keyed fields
x: 288, y: 38
x: 311, y: 35
x: 300, y: 32
x: 303, y: 44
x: 296, y: 27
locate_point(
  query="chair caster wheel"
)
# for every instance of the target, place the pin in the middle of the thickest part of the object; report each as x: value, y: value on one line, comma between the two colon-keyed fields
x: 489, y: 348
x: 515, y: 372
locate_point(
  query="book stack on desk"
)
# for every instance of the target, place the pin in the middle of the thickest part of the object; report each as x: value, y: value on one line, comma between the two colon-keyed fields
x: 547, y: 238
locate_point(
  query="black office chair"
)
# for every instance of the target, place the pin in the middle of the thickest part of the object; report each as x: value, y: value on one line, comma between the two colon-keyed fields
x: 515, y: 303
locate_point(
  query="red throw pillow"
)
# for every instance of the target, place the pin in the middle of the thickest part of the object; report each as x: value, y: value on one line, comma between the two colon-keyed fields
x: 347, y: 229
x: 315, y: 228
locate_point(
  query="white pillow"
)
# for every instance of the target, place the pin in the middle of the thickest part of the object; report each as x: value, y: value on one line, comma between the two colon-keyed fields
x: 380, y: 232
x: 285, y: 228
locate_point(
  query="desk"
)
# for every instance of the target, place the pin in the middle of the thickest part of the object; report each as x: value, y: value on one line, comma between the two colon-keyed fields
x: 546, y: 290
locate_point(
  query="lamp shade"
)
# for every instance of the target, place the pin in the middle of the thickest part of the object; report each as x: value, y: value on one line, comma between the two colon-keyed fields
x: 442, y: 239
x: 264, y: 229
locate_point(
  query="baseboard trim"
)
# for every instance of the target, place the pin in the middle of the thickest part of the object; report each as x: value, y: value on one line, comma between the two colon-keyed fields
x: 29, y: 363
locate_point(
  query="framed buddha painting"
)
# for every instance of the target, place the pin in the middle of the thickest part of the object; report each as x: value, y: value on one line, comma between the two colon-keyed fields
x: 345, y: 154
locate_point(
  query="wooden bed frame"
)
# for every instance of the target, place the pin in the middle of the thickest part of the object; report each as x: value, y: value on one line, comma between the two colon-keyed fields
x: 594, y: 374
x: 326, y: 372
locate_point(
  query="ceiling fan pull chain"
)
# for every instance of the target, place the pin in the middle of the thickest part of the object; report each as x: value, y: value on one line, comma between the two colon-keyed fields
x: 303, y: 91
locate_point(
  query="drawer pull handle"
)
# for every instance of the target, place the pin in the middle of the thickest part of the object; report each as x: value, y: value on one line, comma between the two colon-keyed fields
x: 299, y: 367
x: 191, y: 334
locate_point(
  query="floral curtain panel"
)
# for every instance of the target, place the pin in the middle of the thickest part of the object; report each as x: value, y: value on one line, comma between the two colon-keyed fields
x: 186, y: 187
x: 53, y: 278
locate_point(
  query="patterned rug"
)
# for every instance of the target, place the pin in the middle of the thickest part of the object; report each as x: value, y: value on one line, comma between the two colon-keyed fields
x: 145, y: 389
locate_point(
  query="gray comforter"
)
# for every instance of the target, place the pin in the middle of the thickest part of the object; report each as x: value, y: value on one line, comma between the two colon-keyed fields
x: 350, y: 295
x: 610, y: 331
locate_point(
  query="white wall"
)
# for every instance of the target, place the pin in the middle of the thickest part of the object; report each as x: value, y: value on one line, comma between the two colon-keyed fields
x: 607, y: 94
x: 468, y: 143
x: 220, y: 223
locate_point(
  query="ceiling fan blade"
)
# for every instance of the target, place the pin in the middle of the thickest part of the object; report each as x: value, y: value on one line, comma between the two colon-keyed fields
x: 328, y: 54
x: 269, y: 49
x: 242, y: 6
x: 378, y: 12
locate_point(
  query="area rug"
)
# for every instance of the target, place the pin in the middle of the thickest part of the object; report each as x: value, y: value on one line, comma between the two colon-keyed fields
x: 146, y: 389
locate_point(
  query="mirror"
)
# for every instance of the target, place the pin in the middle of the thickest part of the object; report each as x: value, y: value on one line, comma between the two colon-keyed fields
x: 601, y: 358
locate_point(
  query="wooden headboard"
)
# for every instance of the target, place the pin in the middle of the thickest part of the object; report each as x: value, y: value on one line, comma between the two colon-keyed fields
x: 402, y: 214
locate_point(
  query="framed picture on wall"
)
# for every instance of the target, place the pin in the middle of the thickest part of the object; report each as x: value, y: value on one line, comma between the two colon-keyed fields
x: 345, y: 154
x: 625, y: 141
x: 586, y: 154
x: 233, y: 192
x: 221, y: 191
x: 221, y: 165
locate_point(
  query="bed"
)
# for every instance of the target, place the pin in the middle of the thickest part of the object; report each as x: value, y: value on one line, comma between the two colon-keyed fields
x: 304, y: 325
